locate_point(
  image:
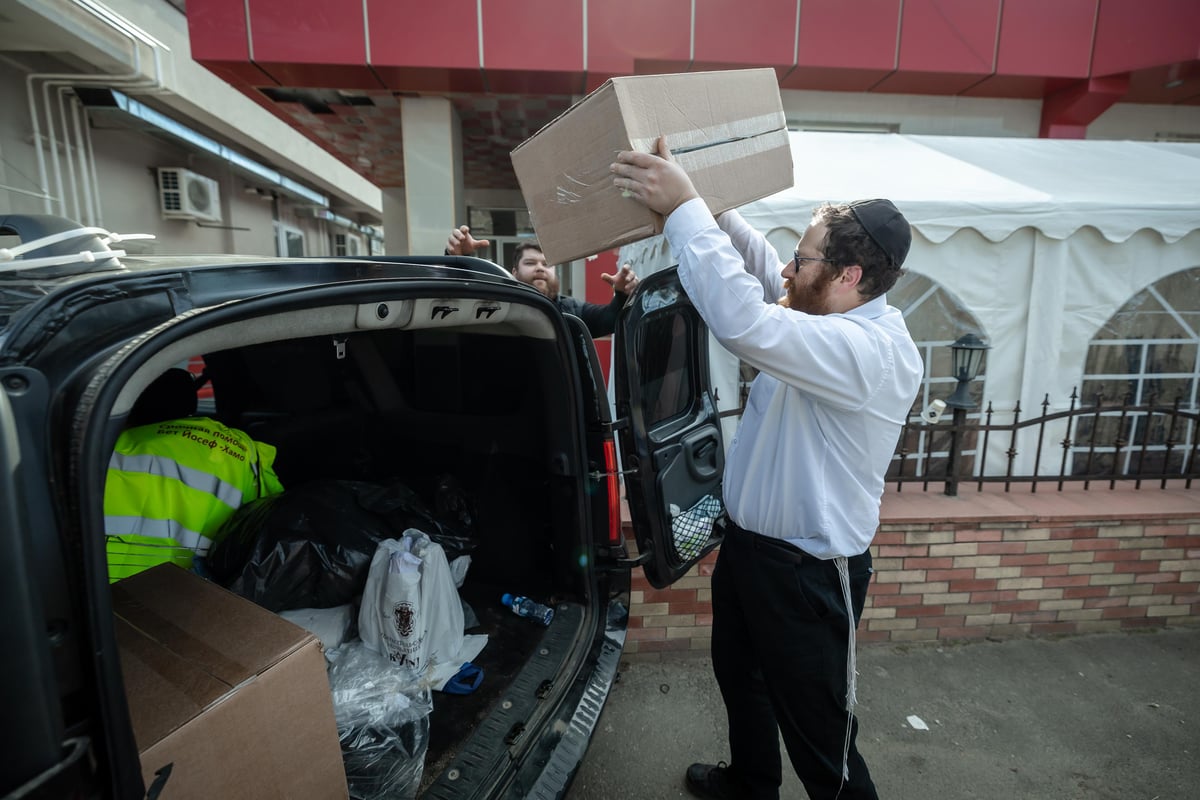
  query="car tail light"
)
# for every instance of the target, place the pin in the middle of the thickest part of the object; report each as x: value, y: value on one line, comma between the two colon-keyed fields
x: 611, y: 481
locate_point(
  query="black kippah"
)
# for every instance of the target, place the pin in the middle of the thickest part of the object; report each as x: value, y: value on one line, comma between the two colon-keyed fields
x: 886, y: 226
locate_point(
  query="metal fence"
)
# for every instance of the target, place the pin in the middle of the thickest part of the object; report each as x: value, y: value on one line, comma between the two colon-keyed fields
x: 1099, y: 442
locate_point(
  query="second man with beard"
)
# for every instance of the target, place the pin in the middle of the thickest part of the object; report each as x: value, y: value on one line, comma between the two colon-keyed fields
x: 529, y: 266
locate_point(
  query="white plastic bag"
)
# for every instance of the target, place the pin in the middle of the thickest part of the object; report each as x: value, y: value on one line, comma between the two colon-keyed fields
x: 410, y: 609
x: 330, y: 625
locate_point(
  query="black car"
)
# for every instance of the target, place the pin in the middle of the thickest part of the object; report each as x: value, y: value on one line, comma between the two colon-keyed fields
x: 355, y: 370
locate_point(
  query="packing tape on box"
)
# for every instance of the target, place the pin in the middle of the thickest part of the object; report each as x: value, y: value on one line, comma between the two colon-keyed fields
x: 724, y: 152
x: 698, y: 138
x: 156, y: 627
x: 141, y: 652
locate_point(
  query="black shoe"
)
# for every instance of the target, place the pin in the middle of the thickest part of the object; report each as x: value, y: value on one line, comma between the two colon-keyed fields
x: 712, y: 782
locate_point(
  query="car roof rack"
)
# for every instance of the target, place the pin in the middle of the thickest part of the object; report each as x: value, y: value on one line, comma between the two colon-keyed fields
x: 57, y: 241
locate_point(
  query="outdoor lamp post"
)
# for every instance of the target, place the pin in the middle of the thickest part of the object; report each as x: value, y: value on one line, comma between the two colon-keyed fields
x: 966, y: 358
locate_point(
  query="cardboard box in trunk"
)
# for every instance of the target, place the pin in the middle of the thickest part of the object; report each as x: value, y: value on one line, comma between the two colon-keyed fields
x: 726, y: 129
x: 233, y: 699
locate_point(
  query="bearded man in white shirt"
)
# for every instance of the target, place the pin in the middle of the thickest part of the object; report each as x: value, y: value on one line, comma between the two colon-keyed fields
x: 838, y: 374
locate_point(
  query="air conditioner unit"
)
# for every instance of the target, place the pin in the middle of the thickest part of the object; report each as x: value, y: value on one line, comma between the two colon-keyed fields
x: 312, y: 212
x: 182, y: 194
x: 347, y: 244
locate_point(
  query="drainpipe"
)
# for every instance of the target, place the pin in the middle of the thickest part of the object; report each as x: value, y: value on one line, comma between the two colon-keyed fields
x: 68, y: 154
x: 94, y: 195
x: 81, y: 152
x: 131, y: 80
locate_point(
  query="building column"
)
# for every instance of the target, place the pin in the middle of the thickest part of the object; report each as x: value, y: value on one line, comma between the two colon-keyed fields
x: 418, y: 217
x: 395, y: 223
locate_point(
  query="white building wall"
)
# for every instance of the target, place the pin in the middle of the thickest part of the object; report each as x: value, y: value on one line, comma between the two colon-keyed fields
x: 974, y: 116
x: 915, y: 114
x: 126, y: 162
x: 1145, y: 122
x: 125, y: 159
x: 20, y: 192
x: 198, y: 94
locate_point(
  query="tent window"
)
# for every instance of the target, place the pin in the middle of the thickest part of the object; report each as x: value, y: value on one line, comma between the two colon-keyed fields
x: 935, y: 318
x: 1146, y: 353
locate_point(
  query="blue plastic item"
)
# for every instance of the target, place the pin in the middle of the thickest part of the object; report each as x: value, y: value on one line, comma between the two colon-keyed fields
x: 524, y: 607
x: 465, y: 681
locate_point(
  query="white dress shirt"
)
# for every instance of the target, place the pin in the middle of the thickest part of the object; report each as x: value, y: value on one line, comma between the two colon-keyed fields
x: 825, y: 412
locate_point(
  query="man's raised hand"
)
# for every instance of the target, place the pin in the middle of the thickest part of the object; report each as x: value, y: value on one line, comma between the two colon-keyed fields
x: 653, y: 179
x: 461, y: 243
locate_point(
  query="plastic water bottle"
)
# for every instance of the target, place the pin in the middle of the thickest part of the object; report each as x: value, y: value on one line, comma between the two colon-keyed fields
x: 524, y: 607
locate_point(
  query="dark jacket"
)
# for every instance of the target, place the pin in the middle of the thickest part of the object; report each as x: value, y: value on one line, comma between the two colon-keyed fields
x: 600, y: 320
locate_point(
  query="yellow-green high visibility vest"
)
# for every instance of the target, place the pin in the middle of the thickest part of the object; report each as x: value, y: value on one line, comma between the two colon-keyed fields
x: 172, y: 484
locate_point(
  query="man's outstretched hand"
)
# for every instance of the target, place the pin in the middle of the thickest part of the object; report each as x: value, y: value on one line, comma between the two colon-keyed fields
x: 461, y: 243
x: 624, y: 282
x: 653, y: 179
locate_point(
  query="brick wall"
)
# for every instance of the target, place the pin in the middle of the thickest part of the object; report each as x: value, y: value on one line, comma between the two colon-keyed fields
x: 675, y: 619
x: 974, y: 580
x: 1007, y: 574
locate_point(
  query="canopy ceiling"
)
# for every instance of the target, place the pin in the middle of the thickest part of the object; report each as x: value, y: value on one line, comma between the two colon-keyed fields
x: 337, y: 71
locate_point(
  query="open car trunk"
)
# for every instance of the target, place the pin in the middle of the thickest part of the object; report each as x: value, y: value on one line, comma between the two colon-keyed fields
x: 426, y: 410
x: 481, y: 422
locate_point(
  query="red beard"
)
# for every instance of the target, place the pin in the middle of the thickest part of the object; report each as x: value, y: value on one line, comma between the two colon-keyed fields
x: 812, y: 297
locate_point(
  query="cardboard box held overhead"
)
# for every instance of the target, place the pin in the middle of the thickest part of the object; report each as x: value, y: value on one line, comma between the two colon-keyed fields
x: 726, y: 129
x: 225, y: 698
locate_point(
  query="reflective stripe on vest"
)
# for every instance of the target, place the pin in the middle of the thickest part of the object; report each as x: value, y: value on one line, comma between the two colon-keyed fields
x: 166, y: 467
x: 129, y: 555
x: 173, y: 530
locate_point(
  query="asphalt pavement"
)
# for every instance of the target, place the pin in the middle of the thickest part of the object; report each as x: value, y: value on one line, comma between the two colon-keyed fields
x: 1095, y: 717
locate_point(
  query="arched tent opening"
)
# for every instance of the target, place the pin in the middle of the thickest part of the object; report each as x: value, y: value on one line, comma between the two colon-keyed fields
x: 1147, y: 353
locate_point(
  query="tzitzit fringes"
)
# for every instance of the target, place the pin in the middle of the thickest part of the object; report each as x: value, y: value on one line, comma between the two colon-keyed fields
x: 851, y: 665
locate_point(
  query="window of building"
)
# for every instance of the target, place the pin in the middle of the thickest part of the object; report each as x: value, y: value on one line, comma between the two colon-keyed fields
x: 346, y: 243
x: 289, y: 241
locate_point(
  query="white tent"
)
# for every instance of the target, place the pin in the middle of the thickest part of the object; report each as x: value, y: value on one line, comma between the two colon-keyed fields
x: 1041, y: 240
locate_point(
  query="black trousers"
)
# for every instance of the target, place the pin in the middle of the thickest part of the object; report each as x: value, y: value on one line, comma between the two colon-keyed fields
x: 779, y: 644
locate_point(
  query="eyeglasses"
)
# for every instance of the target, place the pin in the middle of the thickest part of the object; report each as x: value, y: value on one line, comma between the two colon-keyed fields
x: 798, y: 258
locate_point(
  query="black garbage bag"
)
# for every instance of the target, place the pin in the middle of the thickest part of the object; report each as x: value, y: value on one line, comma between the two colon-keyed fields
x: 452, y: 524
x: 309, y: 547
